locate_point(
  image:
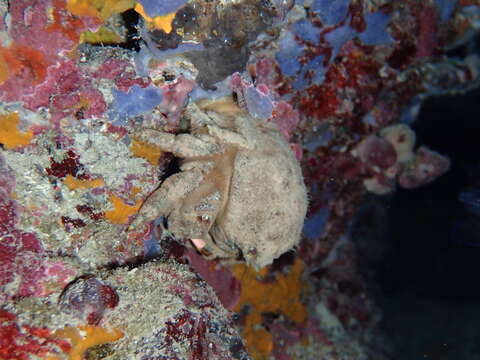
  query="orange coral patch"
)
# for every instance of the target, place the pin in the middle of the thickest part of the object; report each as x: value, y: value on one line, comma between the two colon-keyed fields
x: 65, y: 22
x: 121, y: 211
x: 10, y: 136
x: 162, y: 22
x: 73, y: 183
x: 93, y: 335
x: 3, y: 69
x: 82, y: 8
x: 148, y: 152
x: 18, y: 59
x: 280, y: 296
x: 135, y: 190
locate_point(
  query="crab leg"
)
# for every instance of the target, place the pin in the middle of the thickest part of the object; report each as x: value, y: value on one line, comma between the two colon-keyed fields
x: 229, y: 137
x: 182, y: 145
x: 163, y: 200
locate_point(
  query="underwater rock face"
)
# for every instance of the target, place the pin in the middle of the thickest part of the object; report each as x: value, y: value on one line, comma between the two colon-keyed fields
x: 80, y: 80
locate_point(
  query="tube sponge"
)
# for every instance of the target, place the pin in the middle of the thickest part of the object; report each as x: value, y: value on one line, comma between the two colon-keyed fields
x: 315, y: 225
x: 288, y: 55
x: 376, y: 32
x: 259, y: 103
x: 135, y: 102
x: 318, y: 73
x: 331, y: 12
x: 307, y: 31
x: 338, y: 37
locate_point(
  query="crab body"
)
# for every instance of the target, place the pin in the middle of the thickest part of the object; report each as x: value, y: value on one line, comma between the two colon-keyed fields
x: 240, y: 188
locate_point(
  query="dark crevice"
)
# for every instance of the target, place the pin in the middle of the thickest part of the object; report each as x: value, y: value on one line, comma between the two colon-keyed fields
x: 131, y: 20
x: 432, y: 259
x: 465, y: 49
x: 430, y: 253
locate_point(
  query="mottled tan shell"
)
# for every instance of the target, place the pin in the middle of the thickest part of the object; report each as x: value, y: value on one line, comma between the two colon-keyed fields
x: 267, y: 201
x: 240, y: 189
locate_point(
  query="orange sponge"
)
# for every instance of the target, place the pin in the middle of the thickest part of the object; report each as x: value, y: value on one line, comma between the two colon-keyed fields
x: 10, y: 136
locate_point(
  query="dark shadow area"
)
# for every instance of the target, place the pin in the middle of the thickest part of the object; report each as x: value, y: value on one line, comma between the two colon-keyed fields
x: 429, y: 277
x: 435, y: 253
x: 131, y: 19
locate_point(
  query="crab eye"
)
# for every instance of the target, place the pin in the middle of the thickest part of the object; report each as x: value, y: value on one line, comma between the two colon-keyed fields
x: 205, y: 219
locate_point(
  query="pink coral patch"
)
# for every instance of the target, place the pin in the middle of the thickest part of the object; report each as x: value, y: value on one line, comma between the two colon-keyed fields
x: 286, y: 118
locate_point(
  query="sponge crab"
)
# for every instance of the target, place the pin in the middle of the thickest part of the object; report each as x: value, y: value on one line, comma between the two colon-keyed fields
x: 240, y: 191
